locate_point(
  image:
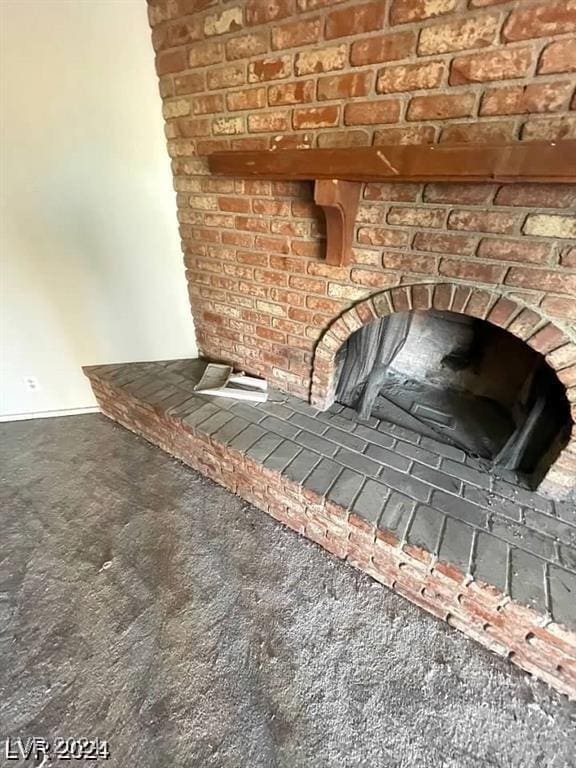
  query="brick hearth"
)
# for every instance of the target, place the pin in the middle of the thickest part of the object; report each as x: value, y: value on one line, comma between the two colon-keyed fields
x: 475, y: 549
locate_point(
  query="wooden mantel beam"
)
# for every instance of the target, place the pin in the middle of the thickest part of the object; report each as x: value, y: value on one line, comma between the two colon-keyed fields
x: 504, y: 163
x: 337, y: 173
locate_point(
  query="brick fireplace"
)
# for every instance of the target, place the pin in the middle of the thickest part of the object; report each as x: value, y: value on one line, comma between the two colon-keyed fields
x: 281, y: 74
x: 474, y: 546
x: 462, y: 299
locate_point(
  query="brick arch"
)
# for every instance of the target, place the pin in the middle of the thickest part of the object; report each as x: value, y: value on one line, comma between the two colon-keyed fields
x: 524, y: 322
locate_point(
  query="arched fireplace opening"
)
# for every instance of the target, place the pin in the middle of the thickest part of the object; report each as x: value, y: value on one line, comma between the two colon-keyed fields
x: 461, y: 380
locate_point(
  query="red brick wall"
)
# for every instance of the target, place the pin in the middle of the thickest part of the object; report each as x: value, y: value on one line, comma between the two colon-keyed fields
x: 270, y: 74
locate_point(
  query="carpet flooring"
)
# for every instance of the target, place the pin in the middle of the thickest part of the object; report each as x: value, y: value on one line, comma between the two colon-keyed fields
x: 143, y: 604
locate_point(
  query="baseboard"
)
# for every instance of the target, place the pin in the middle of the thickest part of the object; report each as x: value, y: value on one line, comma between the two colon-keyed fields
x: 49, y: 414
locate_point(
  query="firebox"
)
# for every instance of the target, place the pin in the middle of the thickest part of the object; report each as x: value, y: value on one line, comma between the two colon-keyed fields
x: 459, y: 379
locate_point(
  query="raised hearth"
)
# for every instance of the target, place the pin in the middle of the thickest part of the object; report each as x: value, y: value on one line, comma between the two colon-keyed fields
x: 474, y: 548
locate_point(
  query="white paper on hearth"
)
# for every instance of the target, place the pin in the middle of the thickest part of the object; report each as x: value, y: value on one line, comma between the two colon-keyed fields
x: 220, y: 381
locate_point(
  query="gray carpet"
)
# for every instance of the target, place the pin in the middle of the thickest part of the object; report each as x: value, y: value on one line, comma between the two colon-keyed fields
x: 143, y: 604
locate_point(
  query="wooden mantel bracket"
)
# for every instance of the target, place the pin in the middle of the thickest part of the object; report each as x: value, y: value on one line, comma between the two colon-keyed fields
x: 339, y: 201
x: 338, y: 173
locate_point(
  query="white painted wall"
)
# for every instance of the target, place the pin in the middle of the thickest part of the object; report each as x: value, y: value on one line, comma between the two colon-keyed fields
x: 91, y: 269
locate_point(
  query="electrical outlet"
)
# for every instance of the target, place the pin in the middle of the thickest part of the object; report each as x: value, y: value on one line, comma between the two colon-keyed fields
x: 31, y: 383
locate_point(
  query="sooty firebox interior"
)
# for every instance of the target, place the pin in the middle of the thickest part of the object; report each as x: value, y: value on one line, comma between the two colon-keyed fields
x: 461, y: 380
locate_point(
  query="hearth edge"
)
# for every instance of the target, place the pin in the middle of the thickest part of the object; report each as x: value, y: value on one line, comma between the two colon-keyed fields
x: 528, y: 638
